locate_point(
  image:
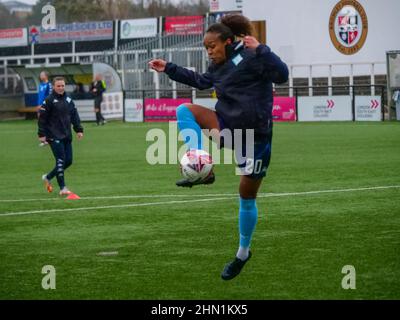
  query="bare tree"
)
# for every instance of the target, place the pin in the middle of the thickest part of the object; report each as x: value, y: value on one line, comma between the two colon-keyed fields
x: 8, y: 20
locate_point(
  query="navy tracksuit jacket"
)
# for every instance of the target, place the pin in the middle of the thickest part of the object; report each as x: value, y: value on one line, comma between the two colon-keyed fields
x: 57, y: 113
x: 243, y: 85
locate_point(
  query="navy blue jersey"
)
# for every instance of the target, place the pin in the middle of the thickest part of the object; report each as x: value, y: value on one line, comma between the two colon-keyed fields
x: 57, y: 114
x: 243, y: 85
x: 45, y: 89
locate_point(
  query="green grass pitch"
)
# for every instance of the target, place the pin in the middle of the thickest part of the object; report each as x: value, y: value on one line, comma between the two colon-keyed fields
x: 177, y: 247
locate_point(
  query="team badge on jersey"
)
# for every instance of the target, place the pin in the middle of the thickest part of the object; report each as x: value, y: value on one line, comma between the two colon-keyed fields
x: 236, y: 60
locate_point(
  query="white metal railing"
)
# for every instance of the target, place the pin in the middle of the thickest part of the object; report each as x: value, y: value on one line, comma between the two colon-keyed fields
x: 4, y: 61
x: 305, y: 70
x: 351, y: 74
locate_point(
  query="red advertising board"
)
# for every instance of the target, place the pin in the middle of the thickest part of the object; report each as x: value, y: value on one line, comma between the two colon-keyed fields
x: 184, y: 25
x: 162, y: 110
x: 284, y: 109
x: 13, y: 37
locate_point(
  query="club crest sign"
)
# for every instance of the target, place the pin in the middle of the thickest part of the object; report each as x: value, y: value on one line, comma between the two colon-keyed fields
x: 348, y: 26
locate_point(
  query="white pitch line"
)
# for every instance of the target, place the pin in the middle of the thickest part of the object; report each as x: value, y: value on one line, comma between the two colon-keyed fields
x: 228, y: 197
x: 112, y: 207
x: 88, y: 127
x: 108, y: 253
x: 125, y: 197
x: 326, y: 191
x: 203, y: 195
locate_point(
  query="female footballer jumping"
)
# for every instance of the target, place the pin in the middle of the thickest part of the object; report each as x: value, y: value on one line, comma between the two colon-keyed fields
x: 242, y: 73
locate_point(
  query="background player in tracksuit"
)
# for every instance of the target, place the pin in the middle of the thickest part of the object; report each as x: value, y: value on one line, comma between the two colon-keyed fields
x: 45, y: 88
x: 57, y: 114
x: 242, y: 74
x: 97, y: 88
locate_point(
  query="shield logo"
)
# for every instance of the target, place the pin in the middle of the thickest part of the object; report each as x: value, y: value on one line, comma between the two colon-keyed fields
x: 348, y: 28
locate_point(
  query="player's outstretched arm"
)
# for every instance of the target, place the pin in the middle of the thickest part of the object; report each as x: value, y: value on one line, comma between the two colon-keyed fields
x: 182, y: 75
x: 158, y: 65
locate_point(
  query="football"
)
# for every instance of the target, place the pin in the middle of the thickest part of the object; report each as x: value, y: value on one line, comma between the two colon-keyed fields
x: 196, y: 165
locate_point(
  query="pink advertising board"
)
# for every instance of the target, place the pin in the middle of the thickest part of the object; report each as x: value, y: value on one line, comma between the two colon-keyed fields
x: 161, y: 110
x: 284, y: 109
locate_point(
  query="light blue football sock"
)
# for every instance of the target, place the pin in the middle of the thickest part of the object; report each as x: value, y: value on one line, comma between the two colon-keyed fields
x: 247, y: 222
x: 189, y: 128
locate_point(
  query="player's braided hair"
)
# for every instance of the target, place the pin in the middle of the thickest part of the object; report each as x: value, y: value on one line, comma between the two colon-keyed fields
x: 232, y: 25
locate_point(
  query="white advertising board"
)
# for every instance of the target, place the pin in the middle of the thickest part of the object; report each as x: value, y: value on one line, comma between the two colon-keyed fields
x: 112, y: 106
x: 138, y: 28
x: 133, y: 110
x: 13, y: 37
x: 368, y: 108
x: 85, y: 109
x: 325, y: 108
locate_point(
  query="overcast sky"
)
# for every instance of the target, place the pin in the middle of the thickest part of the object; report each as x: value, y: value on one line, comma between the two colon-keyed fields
x: 34, y: 1
x: 24, y: 1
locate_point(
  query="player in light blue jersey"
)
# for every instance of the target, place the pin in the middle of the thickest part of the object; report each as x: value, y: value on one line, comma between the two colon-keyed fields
x: 45, y: 88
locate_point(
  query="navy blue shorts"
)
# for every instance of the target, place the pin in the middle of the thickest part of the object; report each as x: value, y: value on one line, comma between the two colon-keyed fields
x: 253, y: 161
